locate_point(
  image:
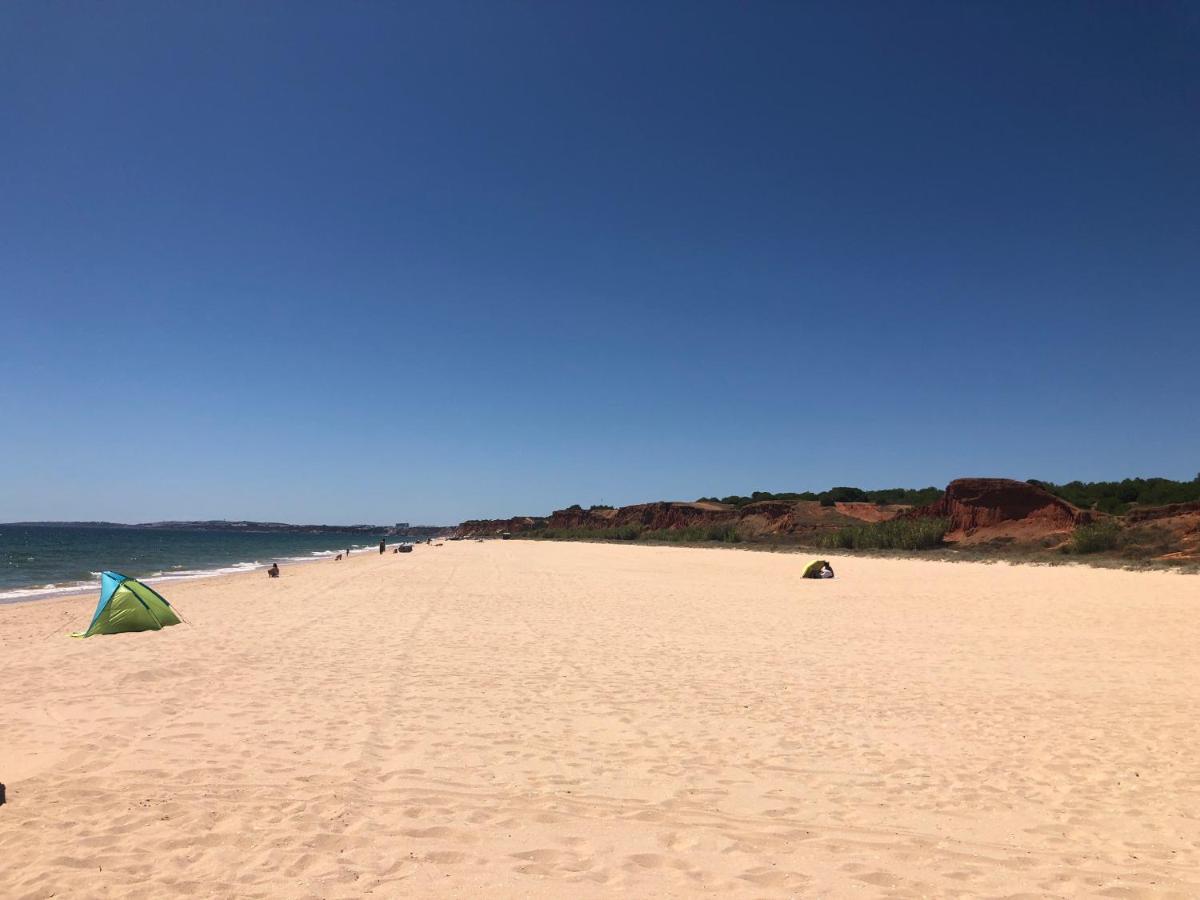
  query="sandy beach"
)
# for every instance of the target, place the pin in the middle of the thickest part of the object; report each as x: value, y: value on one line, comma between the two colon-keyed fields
x: 575, y: 720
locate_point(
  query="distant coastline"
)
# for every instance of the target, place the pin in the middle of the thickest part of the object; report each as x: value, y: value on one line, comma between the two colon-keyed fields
x: 402, y: 528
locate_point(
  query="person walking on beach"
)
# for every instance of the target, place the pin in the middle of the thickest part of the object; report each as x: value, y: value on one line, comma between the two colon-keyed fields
x: 382, y: 545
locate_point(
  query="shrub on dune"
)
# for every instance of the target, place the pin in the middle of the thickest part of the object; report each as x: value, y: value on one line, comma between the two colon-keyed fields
x: 895, y: 534
x: 1096, y: 538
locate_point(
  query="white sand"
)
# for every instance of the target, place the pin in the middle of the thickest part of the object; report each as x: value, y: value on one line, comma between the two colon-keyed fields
x: 520, y: 719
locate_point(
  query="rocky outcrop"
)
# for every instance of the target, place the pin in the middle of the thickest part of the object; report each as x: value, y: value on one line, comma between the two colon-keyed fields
x: 1001, y: 506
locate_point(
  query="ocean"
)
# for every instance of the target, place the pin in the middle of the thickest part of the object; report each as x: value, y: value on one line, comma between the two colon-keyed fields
x: 46, y: 561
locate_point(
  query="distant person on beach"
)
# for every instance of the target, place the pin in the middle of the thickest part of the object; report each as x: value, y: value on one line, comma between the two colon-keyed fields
x: 382, y: 546
x: 338, y: 558
x: 347, y: 553
x: 274, y: 570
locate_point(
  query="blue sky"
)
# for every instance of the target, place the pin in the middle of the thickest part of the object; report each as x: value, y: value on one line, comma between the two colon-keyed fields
x: 380, y: 262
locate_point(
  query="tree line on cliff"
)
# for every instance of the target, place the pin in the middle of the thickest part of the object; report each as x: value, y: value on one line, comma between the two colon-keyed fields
x: 1113, y: 497
x: 1117, y: 497
x: 899, y: 496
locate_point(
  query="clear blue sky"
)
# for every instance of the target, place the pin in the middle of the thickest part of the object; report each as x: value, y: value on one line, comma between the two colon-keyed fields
x: 379, y: 262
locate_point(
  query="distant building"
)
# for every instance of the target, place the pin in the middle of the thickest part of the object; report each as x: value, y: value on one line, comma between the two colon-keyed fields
x: 402, y: 526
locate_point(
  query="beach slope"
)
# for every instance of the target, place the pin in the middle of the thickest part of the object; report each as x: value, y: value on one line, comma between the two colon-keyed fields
x: 527, y: 719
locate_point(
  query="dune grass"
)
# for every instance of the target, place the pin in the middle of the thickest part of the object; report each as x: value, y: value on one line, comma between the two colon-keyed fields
x: 1098, y: 537
x: 726, y: 533
x: 617, y: 533
x: 895, y: 534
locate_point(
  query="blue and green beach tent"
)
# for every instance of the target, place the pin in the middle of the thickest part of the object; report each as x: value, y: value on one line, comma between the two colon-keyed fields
x: 128, y: 605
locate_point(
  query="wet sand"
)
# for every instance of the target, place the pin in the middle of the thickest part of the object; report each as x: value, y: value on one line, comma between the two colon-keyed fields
x: 517, y: 719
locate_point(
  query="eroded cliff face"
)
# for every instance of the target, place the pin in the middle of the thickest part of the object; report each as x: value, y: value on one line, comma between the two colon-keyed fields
x: 495, y: 527
x: 979, y: 510
x: 990, y: 508
x: 772, y: 517
x: 765, y: 518
x: 1169, y: 511
x: 651, y: 516
x: 1174, y: 527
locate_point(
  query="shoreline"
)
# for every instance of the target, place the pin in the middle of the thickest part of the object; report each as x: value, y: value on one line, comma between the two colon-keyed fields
x: 44, y: 594
x: 219, y: 581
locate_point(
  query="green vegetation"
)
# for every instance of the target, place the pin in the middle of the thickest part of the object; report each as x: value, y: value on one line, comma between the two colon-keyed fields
x: 1147, y: 542
x: 895, y: 534
x: 843, y: 495
x: 1116, y: 497
x: 619, y: 533
x: 1096, y: 538
x: 726, y: 533
x: 757, y: 496
x: 909, y: 496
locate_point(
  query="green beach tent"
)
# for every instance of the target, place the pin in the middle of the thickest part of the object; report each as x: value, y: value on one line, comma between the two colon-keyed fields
x: 128, y: 605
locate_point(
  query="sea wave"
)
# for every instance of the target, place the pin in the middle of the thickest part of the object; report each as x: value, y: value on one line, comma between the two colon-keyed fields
x: 189, y: 574
x: 48, y: 590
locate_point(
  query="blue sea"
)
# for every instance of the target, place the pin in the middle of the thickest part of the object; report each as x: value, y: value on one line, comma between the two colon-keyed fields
x: 46, y: 561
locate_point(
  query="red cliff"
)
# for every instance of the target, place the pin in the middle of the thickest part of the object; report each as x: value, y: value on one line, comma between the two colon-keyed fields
x: 988, y: 508
x: 764, y: 518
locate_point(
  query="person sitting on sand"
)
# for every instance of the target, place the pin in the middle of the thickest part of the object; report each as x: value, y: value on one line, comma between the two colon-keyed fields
x: 273, y: 572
